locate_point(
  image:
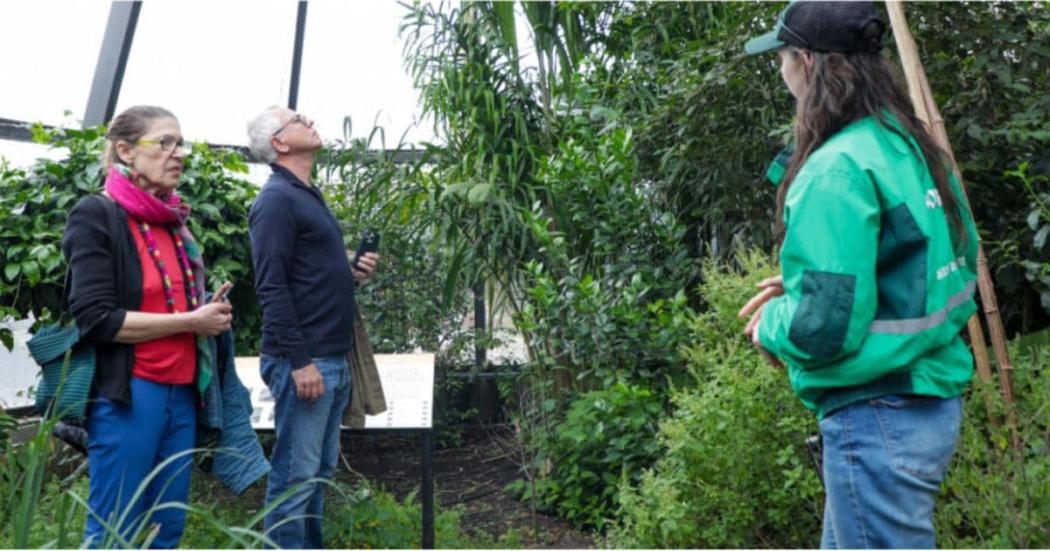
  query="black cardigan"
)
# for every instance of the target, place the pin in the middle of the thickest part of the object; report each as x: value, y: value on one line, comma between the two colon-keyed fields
x: 105, y: 282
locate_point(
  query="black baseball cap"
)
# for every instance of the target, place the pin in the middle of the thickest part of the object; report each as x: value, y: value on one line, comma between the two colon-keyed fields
x: 822, y: 27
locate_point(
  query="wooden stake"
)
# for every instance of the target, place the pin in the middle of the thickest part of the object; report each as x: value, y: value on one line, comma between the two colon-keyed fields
x: 926, y: 109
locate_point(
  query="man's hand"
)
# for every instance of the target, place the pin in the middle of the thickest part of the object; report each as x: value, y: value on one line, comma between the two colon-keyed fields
x: 366, y: 267
x: 309, y: 384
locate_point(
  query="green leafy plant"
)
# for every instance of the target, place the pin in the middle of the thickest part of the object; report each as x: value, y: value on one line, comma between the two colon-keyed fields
x: 1037, y: 269
x: 406, y: 304
x: 606, y: 439
x: 707, y: 119
x: 368, y: 518
x: 606, y: 299
x: 214, y: 185
x: 996, y: 495
x: 33, y: 208
x: 733, y: 470
x: 34, y: 204
x: 997, y: 113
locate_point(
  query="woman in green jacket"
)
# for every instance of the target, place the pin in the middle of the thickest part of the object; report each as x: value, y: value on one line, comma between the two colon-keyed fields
x: 877, y: 258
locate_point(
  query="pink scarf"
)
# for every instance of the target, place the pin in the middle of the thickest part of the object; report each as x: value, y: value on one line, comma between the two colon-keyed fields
x: 168, y: 211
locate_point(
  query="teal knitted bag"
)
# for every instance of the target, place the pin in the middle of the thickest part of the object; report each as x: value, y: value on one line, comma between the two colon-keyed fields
x: 68, y: 368
x: 67, y: 364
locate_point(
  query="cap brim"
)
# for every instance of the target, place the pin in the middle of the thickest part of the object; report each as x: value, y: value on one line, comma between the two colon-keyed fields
x: 764, y: 43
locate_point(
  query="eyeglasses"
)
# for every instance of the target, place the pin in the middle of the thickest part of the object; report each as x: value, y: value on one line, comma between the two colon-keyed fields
x: 168, y: 143
x: 305, y: 121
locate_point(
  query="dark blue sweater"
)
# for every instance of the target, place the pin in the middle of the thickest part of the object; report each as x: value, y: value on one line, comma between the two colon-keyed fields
x: 302, y: 273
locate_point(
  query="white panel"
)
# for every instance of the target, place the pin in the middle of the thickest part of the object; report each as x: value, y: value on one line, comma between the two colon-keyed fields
x: 408, y: 386
x: 50, y: 49
x: 352, y: 66
x: 214, y: 64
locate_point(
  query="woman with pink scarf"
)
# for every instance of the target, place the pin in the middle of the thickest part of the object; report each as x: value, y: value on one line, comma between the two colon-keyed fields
x: 137, y: 294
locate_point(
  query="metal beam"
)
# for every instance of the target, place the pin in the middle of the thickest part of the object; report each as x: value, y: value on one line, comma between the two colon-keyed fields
x: 297, y: 56
x: 17, y: 131
x: 112, y: 60
x: 20, y: 131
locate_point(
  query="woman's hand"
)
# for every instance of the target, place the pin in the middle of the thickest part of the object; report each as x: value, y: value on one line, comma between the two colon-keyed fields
x: 212, y: 318
x: 770, y: 287
x: 222, y: 294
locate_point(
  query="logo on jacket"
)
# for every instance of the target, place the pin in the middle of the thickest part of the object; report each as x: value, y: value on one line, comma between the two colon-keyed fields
x: 933, y: 199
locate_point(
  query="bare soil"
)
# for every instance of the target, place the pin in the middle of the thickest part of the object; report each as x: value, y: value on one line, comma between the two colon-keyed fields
x: 471, y: 473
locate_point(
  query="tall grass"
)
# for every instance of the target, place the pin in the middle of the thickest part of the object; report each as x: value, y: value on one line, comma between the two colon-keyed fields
x: 22, y: 470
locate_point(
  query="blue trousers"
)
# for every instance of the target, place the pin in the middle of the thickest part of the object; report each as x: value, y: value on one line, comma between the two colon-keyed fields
x: 124, y: 445
x: 884, y: 460
x: 307, y: 447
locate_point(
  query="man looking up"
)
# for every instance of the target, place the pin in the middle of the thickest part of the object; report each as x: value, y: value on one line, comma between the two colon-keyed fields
x: 306, y: 286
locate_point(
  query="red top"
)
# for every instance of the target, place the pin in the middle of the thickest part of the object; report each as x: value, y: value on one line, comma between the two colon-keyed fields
x: 173, y: 359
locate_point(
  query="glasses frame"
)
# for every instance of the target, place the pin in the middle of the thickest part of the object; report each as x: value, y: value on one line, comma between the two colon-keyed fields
x: 174, y: 143
x: 295, y: 119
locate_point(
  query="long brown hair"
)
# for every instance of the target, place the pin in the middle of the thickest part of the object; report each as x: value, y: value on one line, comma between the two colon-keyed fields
x: 130, y: 126
x: 844, y: 88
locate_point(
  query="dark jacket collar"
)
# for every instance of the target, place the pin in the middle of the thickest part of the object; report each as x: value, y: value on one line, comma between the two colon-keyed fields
x: 290, y: 176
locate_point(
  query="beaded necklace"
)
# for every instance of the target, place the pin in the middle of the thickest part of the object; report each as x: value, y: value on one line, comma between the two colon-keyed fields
x: 180, y: 252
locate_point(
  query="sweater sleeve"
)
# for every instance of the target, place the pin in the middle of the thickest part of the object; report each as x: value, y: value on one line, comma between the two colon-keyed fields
x: 94, y: 298
x: 272, y: 227
x: 828, y: 261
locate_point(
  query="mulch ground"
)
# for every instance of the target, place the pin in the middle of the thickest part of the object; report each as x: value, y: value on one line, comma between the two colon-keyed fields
x: 471, y: 472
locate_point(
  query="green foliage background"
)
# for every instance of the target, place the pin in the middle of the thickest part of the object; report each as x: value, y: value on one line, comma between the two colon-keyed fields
x: 608, y: 202
x: 34, y: 203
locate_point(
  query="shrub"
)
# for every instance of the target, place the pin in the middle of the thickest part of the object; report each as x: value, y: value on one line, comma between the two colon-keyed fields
x: 606, y: 438
x: 996, y: 495
x: 733, y: 471
x: 1037, y: 267
x: 606, y: 301
x: 371, y: 519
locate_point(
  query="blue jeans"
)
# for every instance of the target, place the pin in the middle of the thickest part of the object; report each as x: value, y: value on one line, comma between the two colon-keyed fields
x: 125, y: 444
x: 307, y: 447
x: 884, y: 460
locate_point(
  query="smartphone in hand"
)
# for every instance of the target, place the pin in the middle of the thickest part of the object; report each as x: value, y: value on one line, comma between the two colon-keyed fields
x: 369, y: 244
x: 223, y: 294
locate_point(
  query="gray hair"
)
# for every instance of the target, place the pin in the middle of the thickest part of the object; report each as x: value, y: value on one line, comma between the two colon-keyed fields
x: 260, y: 131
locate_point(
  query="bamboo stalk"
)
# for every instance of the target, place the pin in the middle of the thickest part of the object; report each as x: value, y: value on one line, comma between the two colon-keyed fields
x: 984, y: 279
x: 926, y: 109
x: 980, y: 356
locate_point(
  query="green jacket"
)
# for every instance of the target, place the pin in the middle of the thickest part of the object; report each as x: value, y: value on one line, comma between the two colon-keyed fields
x: 876, y: 292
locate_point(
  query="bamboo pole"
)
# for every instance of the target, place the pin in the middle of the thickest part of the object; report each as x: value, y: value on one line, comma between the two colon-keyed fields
x: 914, y: 73
x: 926, y: 109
